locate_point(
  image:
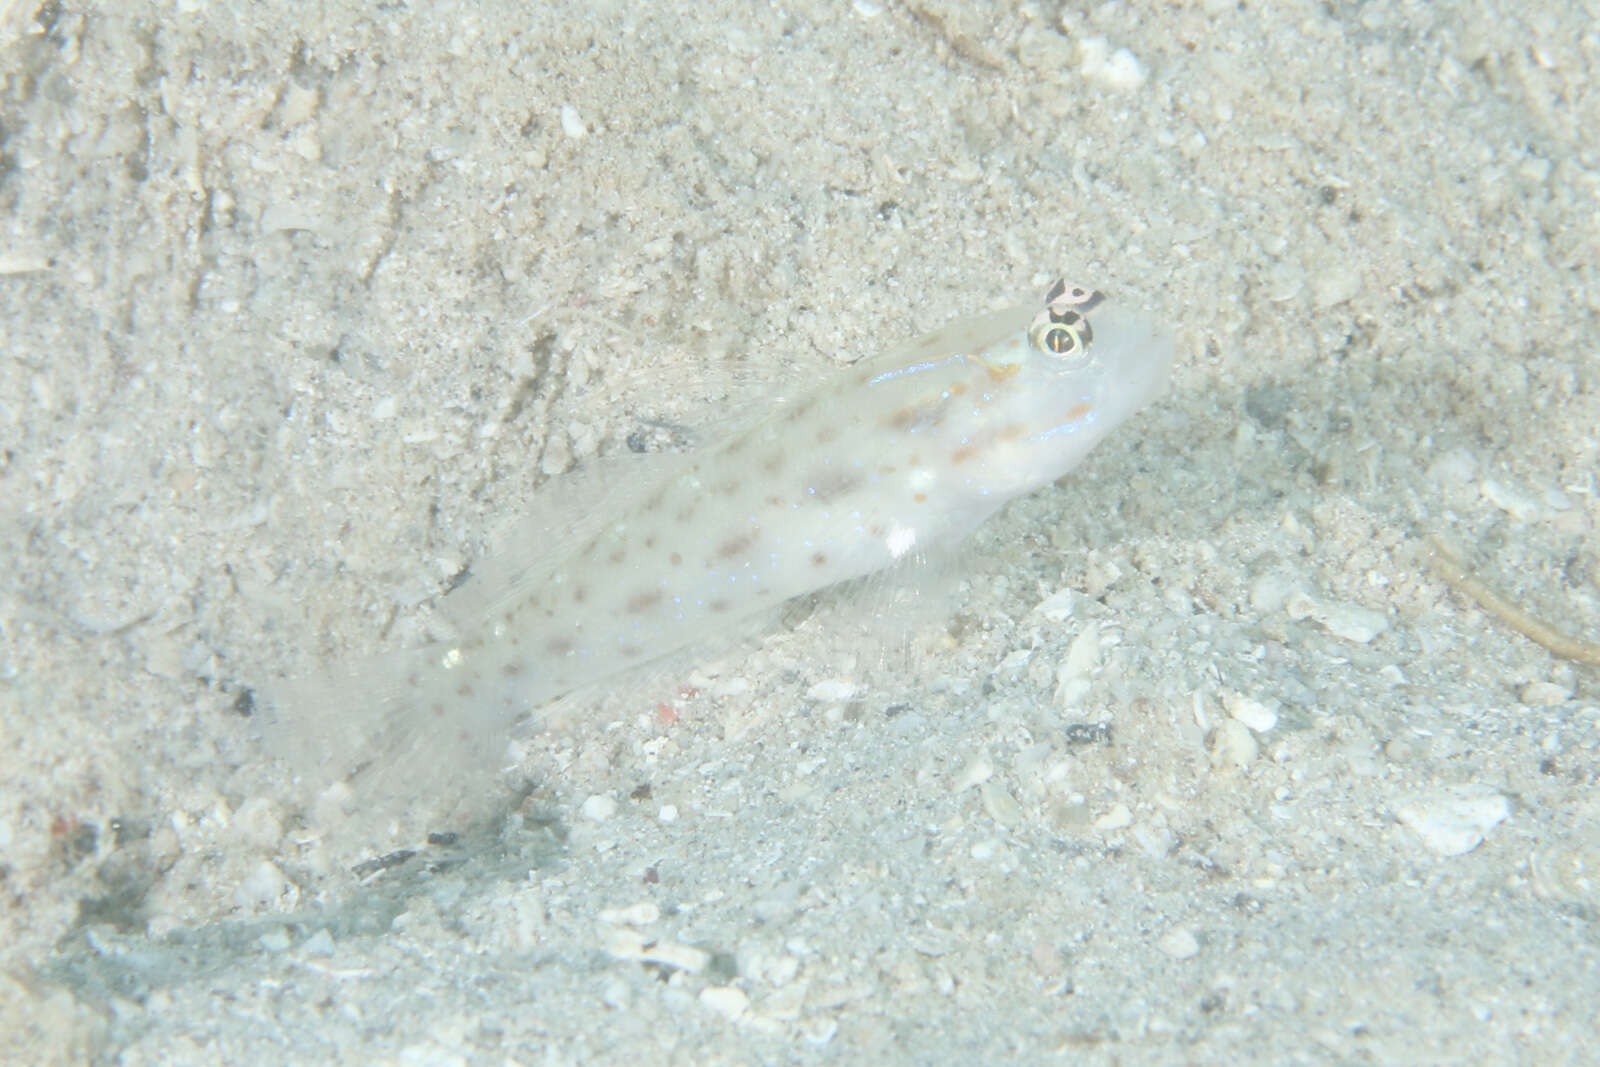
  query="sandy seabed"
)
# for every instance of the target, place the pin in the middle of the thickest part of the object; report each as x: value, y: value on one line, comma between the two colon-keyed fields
x: 1196, y: 760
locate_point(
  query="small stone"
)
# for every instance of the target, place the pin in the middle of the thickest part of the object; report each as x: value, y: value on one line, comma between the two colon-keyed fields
x: 1346, y: 621
x: 833, y: 691
x: 1337, y: 285
x: 1298, y: 605
x: 672, y: 954
x: 557, y: 458
x: 1179, y: 943
x: 276, y: 939
x: 1118, y: 818
x: 1455, y: 467
x: 263, y: 887
x: 787, y: 1002
x: 1155, y: 841
x: 1284, y: 282
x: 1082, y: 655
x: 626, y: 943
x: 1513, y: 502
x: 616, y: 995
x: 1253, y: 713
x: 1016, y: 659
x: 668, y: 813
x: 1544, y: 694
x: 1058, y: 606
x: 1235, y: 744
x: 1352, y: 623
x: 297, y: 104
x: 641, y: 914
x: 257, y: 824
x: 572, y: 122
x: 1455, y: 822
x: 599, y: 807
x: 1118, y: 70
x: 318, y: 944
x: 980, y: 770
x: 725, y: 1000
x: 819, y: 1032
x: 1001, y: 805
x: 1270, y: 591
x: 987, y: 849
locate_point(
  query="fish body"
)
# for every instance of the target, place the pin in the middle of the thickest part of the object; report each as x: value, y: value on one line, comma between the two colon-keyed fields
x: 898, y: 453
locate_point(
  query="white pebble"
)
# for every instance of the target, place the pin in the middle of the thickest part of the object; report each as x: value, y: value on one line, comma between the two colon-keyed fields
x: 1345, y: 621
x: 1082, y: 655
x: 1235, y: 744
x: 788, y: 1002
x: 1179, y: 943
x: 1155, y: 841
x: 626, y: 943
x: 1455, y: 467
x: 1253, y: 713
x: 833, y: 691
x: 641, y: 914
x: 572, y: 122
x: 819, y: 1032
x: 1058, y: 606
x: 1299, y: 605
x: 1118, y: 818
x: 318, y: 944
x: 1353, y: 623
x: 261, y: 888
x: 668, y: 813
x: 1335, y: 286
x: 275, y: 940
x: 1016, y: 659
x: 1270, y: 591
x: 17, y: 261
x: 1072, y: 677
x: 1118, y: 70
x: 1455, y: 822
x: 616, y: 995
x: 725, y: 1000
x: 980, y: 770
x: 1544, y: 694
x: 986, y: 849
x: 256, y: 822
x: 1514, y: 502
x: 1001, y: 805
x: 683, y: 957
x: 599, y: 807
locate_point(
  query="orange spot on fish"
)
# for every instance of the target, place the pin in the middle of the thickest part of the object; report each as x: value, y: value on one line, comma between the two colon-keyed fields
x: 640, y: 601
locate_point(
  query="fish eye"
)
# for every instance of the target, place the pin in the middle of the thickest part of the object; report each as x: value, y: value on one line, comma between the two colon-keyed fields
x: 1060, y: 333
x: 1062, y: 327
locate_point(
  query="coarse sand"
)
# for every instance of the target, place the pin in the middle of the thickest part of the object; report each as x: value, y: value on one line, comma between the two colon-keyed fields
x: 1191, y: 757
